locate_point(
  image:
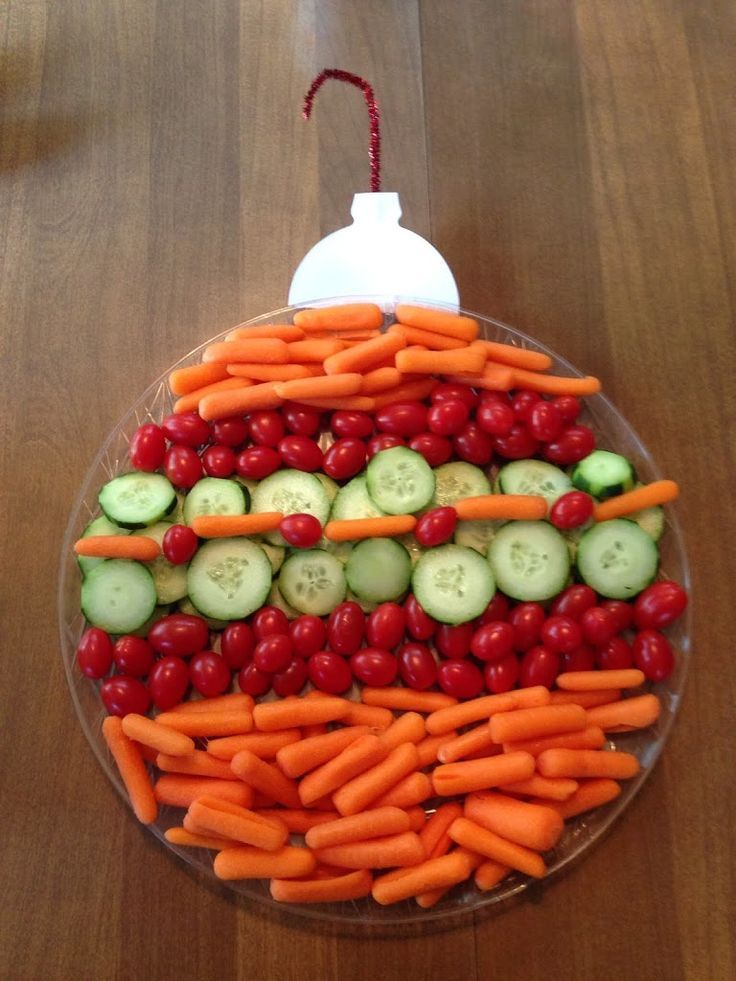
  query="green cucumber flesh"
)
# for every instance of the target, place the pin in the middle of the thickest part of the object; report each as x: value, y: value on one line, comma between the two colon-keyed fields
x: 170, y: 580
x: 617, y: 558
x: 135, y: 500
x: 119, y: 596
x: 533, y: 477
x: 454, y: 481
x: 530, y: 560
x: 290, y: 492
x: 215, y: 495
x: 603, y: 474
x: 313, y: 581
x: 452, y: 583
x: 400, y: 481
x: 229, y: 578
x: 100, y: 526
x: 378, y: 570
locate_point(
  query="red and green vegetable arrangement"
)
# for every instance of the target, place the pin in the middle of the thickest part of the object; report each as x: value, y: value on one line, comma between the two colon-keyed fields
x: 413, y: 524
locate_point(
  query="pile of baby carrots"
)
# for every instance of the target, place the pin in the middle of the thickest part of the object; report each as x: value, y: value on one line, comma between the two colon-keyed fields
x: 333, y: 799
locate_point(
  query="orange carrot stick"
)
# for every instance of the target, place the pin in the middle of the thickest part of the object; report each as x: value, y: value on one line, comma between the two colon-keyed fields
x: 555, y: 384
x: 327, y: 387
x: 401, y: 849
x: 231, y: 702
x: 435, y: 873
x: 516, y: 357
x: 471, y: 835
x: 245, y: 862
x: 137, y: 547
x: 286, y: 332
x: 439, y: 321
x: 132, y: 770
x: 369, y: 785
x: 658, y: 492
x: 207, y: 723
x: 291, y: 713
x: 434, y: 834
x: 180, y: 836
x: 427, y: 338
x: 375, y: 823
x: 417, y: 817
x: 362, y: 357
x: 587, y: 763
x: 190, y: 402
x: 158, y: 737
x: 408, y: 728
x: 588, y: 699
x: 469, y: 360
x: 511, y: 507
x: 406, y: 392
x: 298, y: 820
x: 314, y: 350
x: 380, y: 379
x: 354, y: 760
x: 630, y: 713
x: 406, y: 699
x: 450, y: 779
x: 489, y: 874
x: 221, y: 817
x: 350, y: 334
x: 219, y: 405
x: 411, y: 790
x: 261, y: 350
x: 335, y: 889
x: 352, y: 529
x: 529, y: 723
x: 494, y: 378
x: 182, y: 381
x: 367, y: 715
x: 590, y: 793
x: 196, y: 764
x: 298, y: 758
x: 357, y: 403
x: 531, y: 825
x: 543, y: 788
x: 264, y: 744
x: 269, y: 372
x: 180, y: 790
x: 231, y: 525
x: 476, y: 709
x: 428, y: 749
x: 265, y: 778
x: 591, y: 737
x: 597, y: 680
x: 346, y: 316
x: 468, y: 742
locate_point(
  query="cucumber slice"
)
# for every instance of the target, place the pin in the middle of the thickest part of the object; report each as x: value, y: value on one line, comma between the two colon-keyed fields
x: 215, y: 495
x: 136, y: 499
x: 476, y: 534
x: 530, y: 560
x: 453, y: 481
x: 276, y: 555
x: 603, y: 474
x: 176, y: 515
x: 534, y: 477
x: 400, y: 481
x: 276, y: 599
x: 412, y: 546
x: 453, y: 584
x: 291, y: 492
x: 313, y: 582
x: 248, y: 485
x: 617, y: 559
x: 118, y: 596
x: 354, y: 501
x: 229, y: 578
x: 378, y: 570
x: 650, y: 520
x: 331, y: 486
x: 186, y: 606
x: 170, y: 580
x: 100, y: 526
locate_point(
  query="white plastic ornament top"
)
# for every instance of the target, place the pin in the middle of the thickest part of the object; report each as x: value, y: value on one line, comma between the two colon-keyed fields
x: 374, y: 256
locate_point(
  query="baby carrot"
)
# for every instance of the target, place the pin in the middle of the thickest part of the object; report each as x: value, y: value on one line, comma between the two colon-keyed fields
x: 367, y: 715
x: 450, y: 779
x: 182, y: 381
x: 435, y: 873
x: 263, y: 744
x: 298, y: 758
x: 349, y: 403
x: 219, y: 405
x: 351, y: 529
x: 207, y: 723
x: 591, y: 737
x: 529, y: 723
x: 658, y: 492
x: 231, y: 525
x: 406, y: 699
x: 261, y: 350
x: 411, y: 790
x: 352, y: 885
x: 516, y: 357
x: 380, y: 379
x: 266, y: 778
x: 597, y: 680
x: 327, y: 386
x: 476, y: 709
x: 180, y: 836
x: 545, y: 788
x: 428, y: 749
x: 489, y: 874
x: 190, y: 402
x: 346, y: 316
x: 531, y: 825
x: 417, y: 817
x: 434, y: 834
x: 587, y: 763
x: 157, y: 736
x: 400, y: 849
x: 221, y: 817
x: 269, y: 372
x: 349, y: 334
x: 630, y: 713
x: 439, y: 321
x: 137, y: 547
x: 298, y: 820
x: 179, y: 790
x: 406, y: 392
x: 469, y: 360
x: 588, y: 699
x: 196, y: 764
x: 472, y: 836
x: 231, y: 702
x: 427, y: 338
x: 465, y: 744
x: 555, y: 384
x: 245, y: 862
x: 354, y: 760
x: 366, y: 787
x: 286, y: 332
x: 494, y: 378
x: 375, y: 823
x: 408, y: 728
x: 132, y: 770
x: 314, y: 350
x: 362, y: 357
x: 511, y: 507
x: 285, y: 714
x: 590, y: 793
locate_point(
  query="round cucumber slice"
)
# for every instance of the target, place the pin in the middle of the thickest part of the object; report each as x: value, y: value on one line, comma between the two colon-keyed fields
x: 530, y: 560
x: 603, y: 474
x: 617, y: 558
x: 291, y: 492
x: 331, y: 486
x: 353, y: 501
x: 136, y: 499
x: 534, y: 477
x: 215, y: 495
x: 476, y: 534
x: 229, y: 578
x: 170, y: 580
x: 400, y: 481
x: 378, y: 570
x: 100, y: 526
x: 452, y: 583
x: 313, y: 582
x: 453, y: 481
x: 118, y: 596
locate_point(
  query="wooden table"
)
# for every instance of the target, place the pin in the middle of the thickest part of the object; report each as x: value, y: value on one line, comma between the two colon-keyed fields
x: 574, y: 164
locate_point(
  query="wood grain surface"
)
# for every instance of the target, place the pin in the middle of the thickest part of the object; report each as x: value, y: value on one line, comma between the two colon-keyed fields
x: 573, y: 160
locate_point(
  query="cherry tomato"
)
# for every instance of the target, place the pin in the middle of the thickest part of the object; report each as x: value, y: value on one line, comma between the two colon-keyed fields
x: 451, y: 392
x: 179, y: 544
x: 473, y: 445
x: 539, y: 666
x: 252, y: 681
x: 94, y: 653
x: 568, y: 406
x: 545, y: 421
x: 402, y: 419
x: 257, y: 462
x: 267, y: 621
x: 518, y: 444
x: 572, y: 510
x: 522, y: 403
x: 446, y: 418
x: 292, y: 679
x: 345, y: 458
x: 573, y: 602
x: 497, y: 609
x: 659, y: 605
x: 495, y: 418
x: 382, y: 441
x: 623, y: 613
x: 308, y: 635
x: 374, y: 666
x: 583, y: 658
x: 237, y: 644
x: 527, y: 620
x: 345, y: 628
x: 653, y: 655
x: 598, y: 625
x: 273, y: 653
x: 230, y: 431
x: 186, y: 429
x: 179, y: 633
x: 266, y: 428
x: 218, y: 461
x: 182, y: 466
x: 435, y: 449
x: 301, y: 530
x: 616, y: 655
x: 147, y: 447
x: 571, y: 445
x: 329, y: 672
x: 385, y: 626
x: 436, y: 526
x: 121, y: 695
x: 301, y: 453
x: 560, y: 633
x: 461, y: 679
x: 417, y: 667
x: 501, y: 676
x: 453, y: 641
x: 209, y: 673
x: 349, y: 422
x: 493, y: 641
x: 419, y: 624
x: 133, y: 656
x: 168, y: 681
x: 302, y: 420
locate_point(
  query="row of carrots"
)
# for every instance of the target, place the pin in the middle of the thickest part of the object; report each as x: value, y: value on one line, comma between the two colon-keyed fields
x: 354, y: 779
